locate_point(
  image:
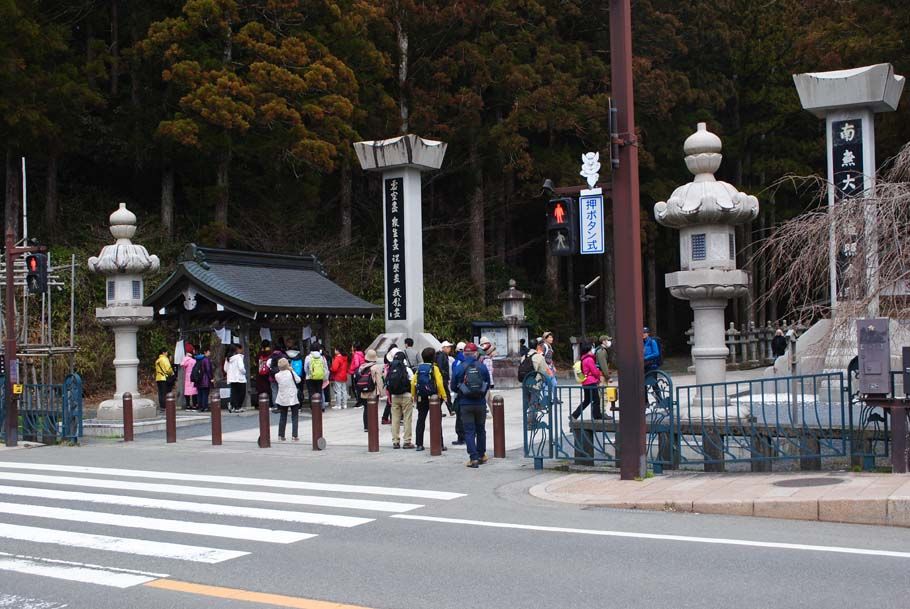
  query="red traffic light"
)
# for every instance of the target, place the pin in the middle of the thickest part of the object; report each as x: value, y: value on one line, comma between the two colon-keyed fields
x: 559, y: 213
x: 32, y: 262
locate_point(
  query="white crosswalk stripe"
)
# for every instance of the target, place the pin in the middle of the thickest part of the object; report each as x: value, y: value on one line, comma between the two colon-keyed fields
x: 215, y: 509
x: 25, y: 494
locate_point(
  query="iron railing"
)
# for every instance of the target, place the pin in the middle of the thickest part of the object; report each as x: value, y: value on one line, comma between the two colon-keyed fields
x: 48, y: 413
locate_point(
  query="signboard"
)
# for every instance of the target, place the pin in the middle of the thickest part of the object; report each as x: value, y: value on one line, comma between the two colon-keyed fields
x: 847, y: 157
x: 17, y: 388
x: 591, y: 221
x: 396, y: 287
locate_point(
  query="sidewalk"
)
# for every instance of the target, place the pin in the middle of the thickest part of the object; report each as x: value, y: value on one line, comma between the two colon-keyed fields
x: 880, y: 499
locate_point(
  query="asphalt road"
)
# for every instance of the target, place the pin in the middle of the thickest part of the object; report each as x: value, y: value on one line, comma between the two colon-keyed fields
x: 452, y: 552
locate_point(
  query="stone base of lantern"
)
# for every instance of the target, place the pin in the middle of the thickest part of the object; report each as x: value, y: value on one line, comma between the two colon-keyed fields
x: 112, y: 410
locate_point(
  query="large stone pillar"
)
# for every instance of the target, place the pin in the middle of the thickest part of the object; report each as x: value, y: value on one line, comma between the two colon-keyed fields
x: 401, y: 161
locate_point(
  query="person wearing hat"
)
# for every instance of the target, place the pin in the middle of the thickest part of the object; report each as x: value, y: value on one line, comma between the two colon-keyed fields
x: 368, y: 382
x: 443, y: 362
x: 486, y: 352
x: 286, y: 397
x: 651, y: 350
x: 546, y: 342
x: 453, y: 390
x: 472, y: 382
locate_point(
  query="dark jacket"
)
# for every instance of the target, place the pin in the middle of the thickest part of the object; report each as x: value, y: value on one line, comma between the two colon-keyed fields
x: 779, y: 345
x: 208, y: 373
x: 458, y: 371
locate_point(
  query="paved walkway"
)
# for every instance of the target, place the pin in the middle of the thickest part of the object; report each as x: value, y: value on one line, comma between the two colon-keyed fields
x: 881, y: 499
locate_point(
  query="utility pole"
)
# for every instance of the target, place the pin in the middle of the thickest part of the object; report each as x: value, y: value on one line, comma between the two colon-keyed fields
x: 627, y: 240
x: 12, y: 252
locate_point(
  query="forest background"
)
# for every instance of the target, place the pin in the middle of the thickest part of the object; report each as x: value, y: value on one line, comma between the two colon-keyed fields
x: 230, y: 123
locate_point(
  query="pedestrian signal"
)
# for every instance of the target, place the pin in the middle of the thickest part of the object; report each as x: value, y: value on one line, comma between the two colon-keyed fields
x: 36, y: 273
x: 560, y: 235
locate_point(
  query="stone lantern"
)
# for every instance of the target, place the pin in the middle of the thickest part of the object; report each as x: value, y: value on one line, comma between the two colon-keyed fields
x: 123, y: 264
x: 513, y: 313
x: 706, y: 211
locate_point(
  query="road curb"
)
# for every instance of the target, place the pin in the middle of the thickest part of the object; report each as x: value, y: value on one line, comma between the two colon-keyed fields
x: 882, y: 511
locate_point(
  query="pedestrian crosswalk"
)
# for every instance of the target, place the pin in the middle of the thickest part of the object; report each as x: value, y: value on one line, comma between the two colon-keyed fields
x: 105, y: 512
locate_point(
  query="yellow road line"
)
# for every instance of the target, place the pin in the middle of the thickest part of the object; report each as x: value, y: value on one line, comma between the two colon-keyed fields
x: 236, y: 594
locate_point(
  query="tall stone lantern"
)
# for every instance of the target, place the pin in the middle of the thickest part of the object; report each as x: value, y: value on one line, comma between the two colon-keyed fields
x: 513, y: 313
x: 123, y: 264
x: 706, y: 211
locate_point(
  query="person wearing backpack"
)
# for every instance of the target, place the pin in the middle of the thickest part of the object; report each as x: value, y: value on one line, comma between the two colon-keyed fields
x: 398, y: 382
x: 202, y: 376
x: 473, y: 382
x: 286, y: 398
x: 339, y: 375
x: 190, y: 393
x: 445, y: 369
x: 368, y: 382
x: 262, y: 374
x: 295, y: 359
x: 316, y: 370
x: 164, y: 376
x: 590, y: 379
x: 277, y: 353
x: 602, y: 358
x: 427, y: 382
x: 652, y: 355
x: 453, y: 388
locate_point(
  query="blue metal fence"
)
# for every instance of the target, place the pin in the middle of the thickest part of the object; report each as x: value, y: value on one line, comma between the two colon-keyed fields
x: 806, y: 418
x: 48, y: 413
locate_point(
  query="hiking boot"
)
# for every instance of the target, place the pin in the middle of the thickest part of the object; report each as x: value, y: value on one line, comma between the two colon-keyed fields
x: 396, y: 445
x: 484, y: 459
x: 472, y: 464
x: 408, y: 445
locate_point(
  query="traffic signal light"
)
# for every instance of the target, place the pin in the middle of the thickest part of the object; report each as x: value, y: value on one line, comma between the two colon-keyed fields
x: 36, y: 273
x: 560, y: 226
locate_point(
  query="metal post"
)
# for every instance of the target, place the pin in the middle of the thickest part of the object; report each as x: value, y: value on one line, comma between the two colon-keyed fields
x: 627, y: 243
x: 265, y: 425
x: 581, y: 305
x: 435, y: 426
x: 216, y: 422
x: 170, y: 417
x: 499, y: 424
x: 316, y: 408
x: 373, y: 424
x: 127, y: 417
x: 9, y: 345
x: 899, y: 448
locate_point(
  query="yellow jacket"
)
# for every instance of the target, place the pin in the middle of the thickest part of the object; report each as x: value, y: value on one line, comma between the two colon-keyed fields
x: 437, y: 377
x: 163, y: 368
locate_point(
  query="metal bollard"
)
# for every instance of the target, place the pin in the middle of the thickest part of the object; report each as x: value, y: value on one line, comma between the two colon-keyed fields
x: 265, y: 425
x: 373, y: 424
x: 216, y: 423
x: 170, y: 417
x: 316, y: 409
x: 127, y: 417
x: 435, y: 426
x: 499, y: 428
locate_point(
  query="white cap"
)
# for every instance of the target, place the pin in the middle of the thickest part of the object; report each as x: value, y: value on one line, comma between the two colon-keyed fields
x: 446, y: 343
x: 460, y: 346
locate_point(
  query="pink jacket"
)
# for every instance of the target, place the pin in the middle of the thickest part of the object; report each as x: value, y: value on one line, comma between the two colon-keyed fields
x: 357, y: 360
x: 187, y: 364
x: 590, y: 369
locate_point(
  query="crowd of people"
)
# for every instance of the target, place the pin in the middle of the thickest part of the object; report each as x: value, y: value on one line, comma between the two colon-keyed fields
x: 404, y: 380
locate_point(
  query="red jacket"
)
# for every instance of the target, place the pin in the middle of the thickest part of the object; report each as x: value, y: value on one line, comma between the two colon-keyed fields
x: 339, y: 370
x: 590, y: 369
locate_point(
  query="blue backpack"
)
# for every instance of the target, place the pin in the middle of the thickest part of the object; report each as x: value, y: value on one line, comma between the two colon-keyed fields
x: 473, y: 385
x: 425, y: 385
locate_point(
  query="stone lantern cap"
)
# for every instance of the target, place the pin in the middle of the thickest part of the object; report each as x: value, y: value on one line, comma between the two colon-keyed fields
x: 402, y: 151
x: 513, y: 293
x: 124, y: 256
x: 705, y: 200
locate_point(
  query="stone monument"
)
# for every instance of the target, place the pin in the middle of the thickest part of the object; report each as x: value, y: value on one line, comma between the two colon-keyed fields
x: 847, y: 100
x: 401, y: 161
x: 123, y: 264
x: 705, y: 211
